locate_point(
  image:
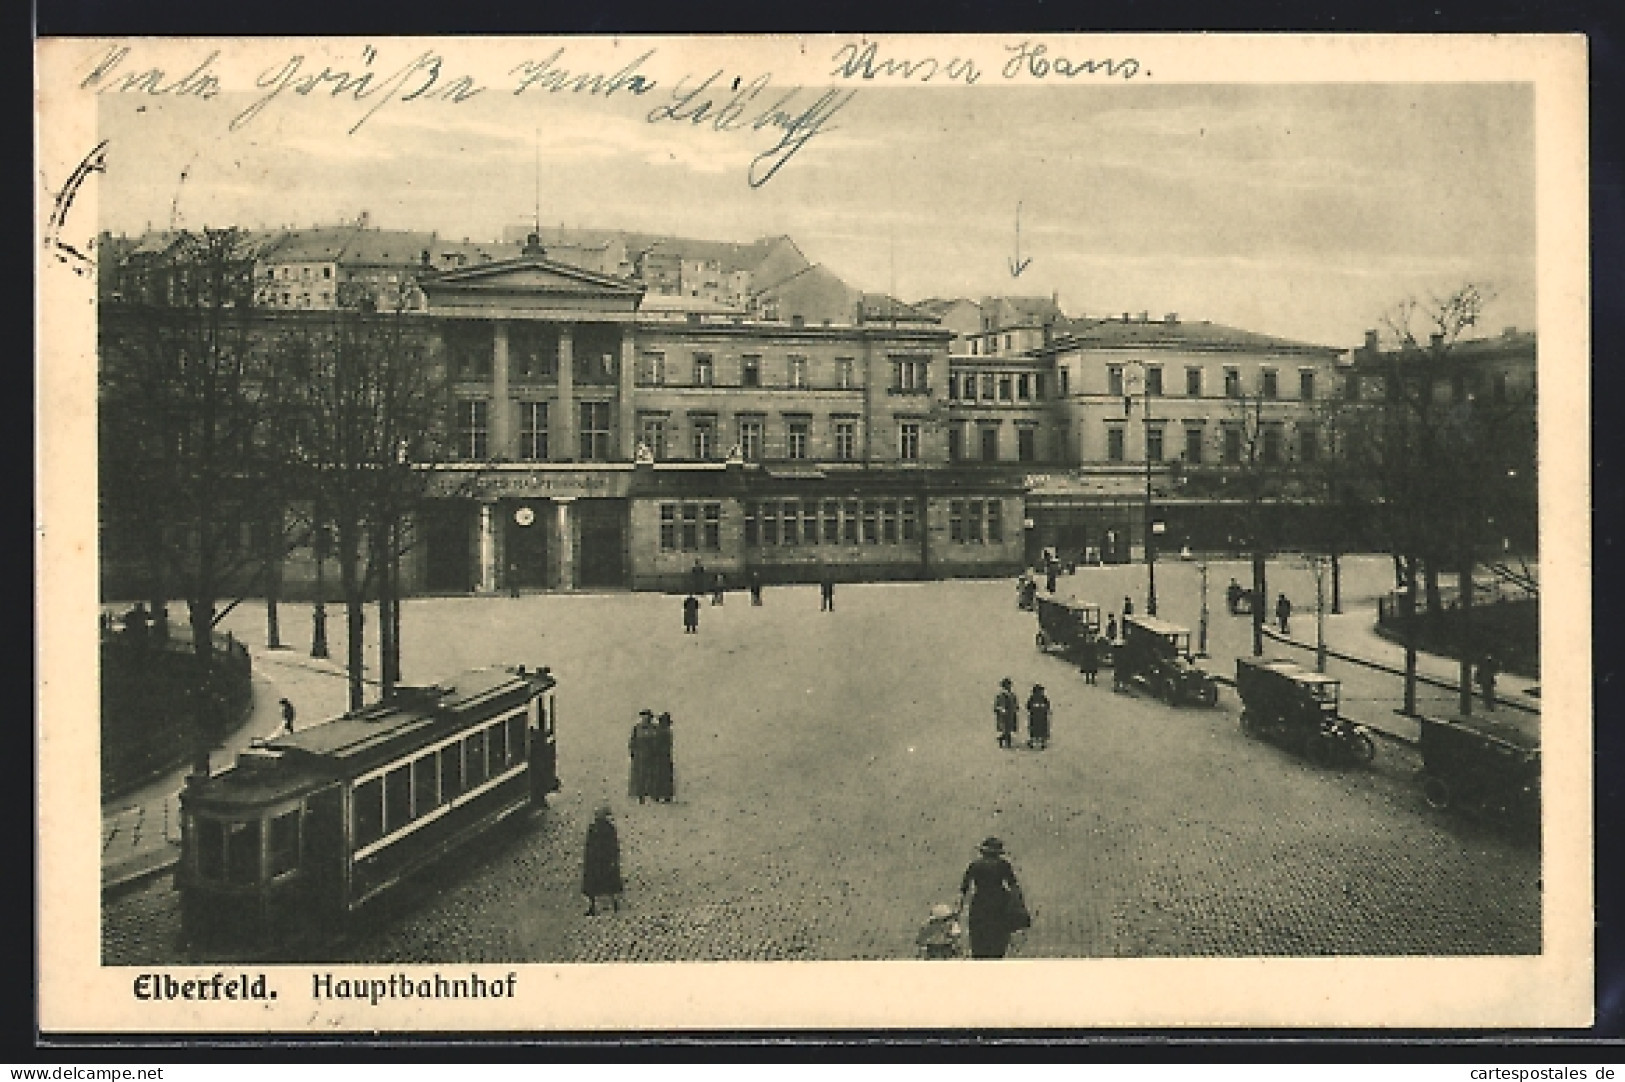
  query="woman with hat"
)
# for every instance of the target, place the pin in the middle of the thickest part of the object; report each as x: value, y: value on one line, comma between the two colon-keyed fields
x: 601, y: 862
x: 988, y: 882
x: 1038, y: 718
x: 642, y: 748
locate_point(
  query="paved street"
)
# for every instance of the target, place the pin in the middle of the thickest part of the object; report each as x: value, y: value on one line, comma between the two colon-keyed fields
x: 835, y: 772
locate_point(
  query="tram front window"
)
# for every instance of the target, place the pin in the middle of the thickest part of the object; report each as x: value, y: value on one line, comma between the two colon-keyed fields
x: 284, y: 844
x: 243, y: 852
x: 211, y: 848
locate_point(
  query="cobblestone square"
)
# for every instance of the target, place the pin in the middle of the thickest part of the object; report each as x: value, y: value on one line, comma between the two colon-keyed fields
x: 836, y: 770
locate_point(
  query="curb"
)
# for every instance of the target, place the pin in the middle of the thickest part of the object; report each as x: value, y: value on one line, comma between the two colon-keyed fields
x: 137, y: 871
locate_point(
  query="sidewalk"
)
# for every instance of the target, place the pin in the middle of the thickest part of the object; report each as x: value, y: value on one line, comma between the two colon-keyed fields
x: 141, y: 831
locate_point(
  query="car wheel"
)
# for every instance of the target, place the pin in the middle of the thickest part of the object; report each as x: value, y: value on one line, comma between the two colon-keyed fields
x: 1362, y: 748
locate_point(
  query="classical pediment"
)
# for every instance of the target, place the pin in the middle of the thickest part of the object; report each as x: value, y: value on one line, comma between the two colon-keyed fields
x: 530, y: 275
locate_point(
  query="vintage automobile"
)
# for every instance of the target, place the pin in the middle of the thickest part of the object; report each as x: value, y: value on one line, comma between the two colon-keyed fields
x: 1298, y: 709
x: 1157, y: 654
x: 1482, y: 763
x: 1062, y: 624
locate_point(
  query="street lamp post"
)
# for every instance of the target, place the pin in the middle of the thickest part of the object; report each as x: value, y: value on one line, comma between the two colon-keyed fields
x: 1321, y: 567
x: 318, y: 614
x: 1201, y: 635
x: 1149, y: 526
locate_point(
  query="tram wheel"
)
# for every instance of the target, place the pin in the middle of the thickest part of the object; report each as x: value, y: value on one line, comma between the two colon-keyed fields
x: 1362, y: 748
x: 1436, y: 791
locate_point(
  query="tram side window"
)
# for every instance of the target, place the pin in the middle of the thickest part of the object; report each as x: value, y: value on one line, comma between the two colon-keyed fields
x: 451, y: 772
x: 516, y: 738
x: 497, y: 736
x: 243, y: 852
x: 474, y: 758
x: 425, y: 784
x: 211, y: 849
x: 369, y: 812
x: 397, y: 797
x: 284, y: 846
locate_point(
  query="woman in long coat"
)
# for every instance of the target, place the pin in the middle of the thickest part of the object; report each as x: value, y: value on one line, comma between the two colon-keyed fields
x: 640, y: 747
x: 988, y: 882
x: 601, y: 863
x: 665, y: 770
x: 1038, y: 711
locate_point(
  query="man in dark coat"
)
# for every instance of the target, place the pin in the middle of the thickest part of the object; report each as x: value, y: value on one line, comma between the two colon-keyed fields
x: 826, y: 592
x: 696, y: 578
x: 755, y: 586
x: 1128, y: 606
x: 1283, y: 612
x: 1487, y: 669
x: 288, y: 714
x: 601, y: 863
x: 1089, y: 658
x: 1006, y: 713
x: 691, y: 615
x: 1049, y: 575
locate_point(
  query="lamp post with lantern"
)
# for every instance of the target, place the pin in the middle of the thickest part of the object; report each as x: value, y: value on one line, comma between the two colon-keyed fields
x: 1139, y: 376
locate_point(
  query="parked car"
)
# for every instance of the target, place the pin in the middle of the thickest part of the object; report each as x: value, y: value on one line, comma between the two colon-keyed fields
x: 1298, y: 709
x: 1157, y: 655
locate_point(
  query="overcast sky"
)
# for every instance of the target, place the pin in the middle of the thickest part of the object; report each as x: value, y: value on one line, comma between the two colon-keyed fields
x: 1302, y: 211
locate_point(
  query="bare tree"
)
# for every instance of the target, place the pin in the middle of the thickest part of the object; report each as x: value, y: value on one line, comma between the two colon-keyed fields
x: 1440, y: 445
x: 184, y: 459
x: 372, y: 405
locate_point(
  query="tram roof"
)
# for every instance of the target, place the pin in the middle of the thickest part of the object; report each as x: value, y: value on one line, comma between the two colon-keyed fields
x: 295, y: 762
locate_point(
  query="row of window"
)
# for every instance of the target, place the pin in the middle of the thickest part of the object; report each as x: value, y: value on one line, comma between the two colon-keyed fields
x: 1271, y: 446
x: 390, y: 801
x: 832, y: 522
x: 999, y: 386
x: 1269, y: 382
x: 908, y: 374
x: 987, y: 443
x: 976, y: 521
x: 690, y: 527
x: 593, y: 432
x: 749, y: 438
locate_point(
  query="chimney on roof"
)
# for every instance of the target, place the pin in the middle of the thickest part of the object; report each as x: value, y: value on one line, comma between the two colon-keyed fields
x: 363, y: 220
x: 1171, y: 317
x: 1436, y: 340
x: 533, y: 246
x: 1145, y: 317
x: 1509, y: 332
x: 1371, y: 341
x: 1125, y: 317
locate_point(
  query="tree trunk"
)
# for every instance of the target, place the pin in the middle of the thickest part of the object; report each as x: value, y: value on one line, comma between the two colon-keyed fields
x: 355, y: 616
x: 383, y: 541
x: 201, y: 616
x: 1407, y: 618
x: 1464, y: 637
x: 273, y: 593
x: 1430, y: 581
x: 1260, y: 602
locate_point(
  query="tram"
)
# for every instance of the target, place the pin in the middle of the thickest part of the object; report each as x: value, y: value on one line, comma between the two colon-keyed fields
x: 308, y: 827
